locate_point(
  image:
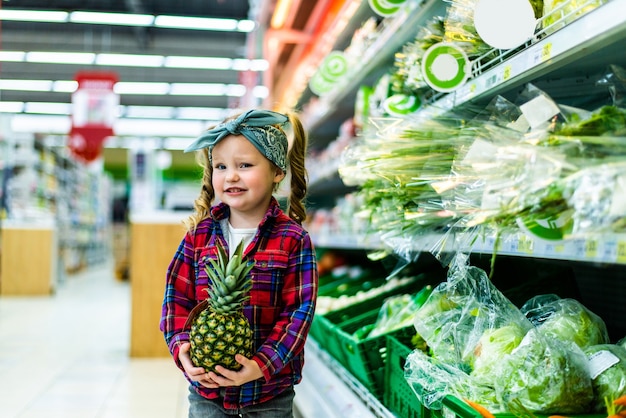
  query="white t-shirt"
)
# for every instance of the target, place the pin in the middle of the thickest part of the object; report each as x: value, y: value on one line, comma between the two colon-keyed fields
x: 235, y: 235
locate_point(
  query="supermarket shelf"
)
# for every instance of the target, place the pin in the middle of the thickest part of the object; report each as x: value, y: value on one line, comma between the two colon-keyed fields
x: 400, y: 30
x: 329, y: 390
x: 588, y: 34
x: 595, y: 248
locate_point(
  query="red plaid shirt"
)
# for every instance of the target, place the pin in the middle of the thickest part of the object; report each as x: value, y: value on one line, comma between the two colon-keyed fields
x: 281, y: 305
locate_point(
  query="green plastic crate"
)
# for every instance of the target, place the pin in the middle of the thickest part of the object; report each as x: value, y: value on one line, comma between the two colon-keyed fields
x: 324, y: 325
x: 399, y: 398
x: 365, y: 358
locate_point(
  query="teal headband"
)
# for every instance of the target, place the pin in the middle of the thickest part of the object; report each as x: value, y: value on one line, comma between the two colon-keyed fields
x: 257, y: 127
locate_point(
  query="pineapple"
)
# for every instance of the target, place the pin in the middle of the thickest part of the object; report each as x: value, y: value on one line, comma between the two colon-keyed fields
x: 220, y: 330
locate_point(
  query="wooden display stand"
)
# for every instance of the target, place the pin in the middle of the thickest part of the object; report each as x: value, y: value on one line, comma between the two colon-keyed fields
x: 29, y: 258
x: 154, y: 239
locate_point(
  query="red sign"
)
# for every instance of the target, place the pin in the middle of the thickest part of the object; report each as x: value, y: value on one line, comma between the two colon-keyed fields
x: 94, y: 109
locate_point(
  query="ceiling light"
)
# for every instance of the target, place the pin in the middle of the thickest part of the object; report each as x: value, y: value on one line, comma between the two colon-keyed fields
x: 202, y: 23
x: 130, y: 60
x: 11, y: 107
x: 236, y: 90
x: 41, y: 123
x: 29, y: 85
x: 84, y: 58
x: 33, y: 15
x: 260, y: 92
x: 123, y: 19
x: 246, y: 25
x: 152, y: 127
x: 198, y: 89
x: 150, y: 112
x: 14, y: 56
x: 259, y: 65
x: 206, y: 63
x: 48, y: 108
x: 125, y: 87
x: 64, y: 86
x: 128, y: 19
x: 201, y: 113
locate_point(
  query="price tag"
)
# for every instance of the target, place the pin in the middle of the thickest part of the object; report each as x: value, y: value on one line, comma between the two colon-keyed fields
x: 506, y: 73
x: 591, y: 248
x: 546, y: 52
x: 525, y: 245
x: 609, y: 250
x: 621, y: 252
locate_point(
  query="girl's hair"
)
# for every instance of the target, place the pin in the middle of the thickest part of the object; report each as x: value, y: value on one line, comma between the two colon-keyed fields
x: 298, y: 186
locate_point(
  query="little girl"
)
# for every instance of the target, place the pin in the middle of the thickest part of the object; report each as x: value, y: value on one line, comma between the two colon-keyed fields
x: 244, y: 161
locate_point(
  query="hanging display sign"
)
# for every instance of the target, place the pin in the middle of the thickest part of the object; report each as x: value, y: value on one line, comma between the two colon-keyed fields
x: 94, y: 109
x: 445, y: 67
x: 386, y: 8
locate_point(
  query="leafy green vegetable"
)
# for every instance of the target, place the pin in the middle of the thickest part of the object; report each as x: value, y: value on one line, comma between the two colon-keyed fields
x: 545, y: 376
x: 607, y: 365
x: 567, y: 320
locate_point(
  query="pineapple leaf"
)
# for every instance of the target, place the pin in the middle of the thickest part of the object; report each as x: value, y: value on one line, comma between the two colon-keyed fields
x: 222, y: 257
x: 235, y: 261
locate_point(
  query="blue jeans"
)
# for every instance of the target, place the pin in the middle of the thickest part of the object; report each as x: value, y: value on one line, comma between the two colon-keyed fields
x: 278, y: 407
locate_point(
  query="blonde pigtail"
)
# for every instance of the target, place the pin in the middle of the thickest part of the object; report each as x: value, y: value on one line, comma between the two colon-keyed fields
x: 202, y: 205
x: 299, y: 176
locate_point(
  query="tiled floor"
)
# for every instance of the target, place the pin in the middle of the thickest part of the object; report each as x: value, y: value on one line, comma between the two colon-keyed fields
x: 66, y: 356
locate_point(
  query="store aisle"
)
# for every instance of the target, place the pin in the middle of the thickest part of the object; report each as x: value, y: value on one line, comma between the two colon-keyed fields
x: 66, y: 356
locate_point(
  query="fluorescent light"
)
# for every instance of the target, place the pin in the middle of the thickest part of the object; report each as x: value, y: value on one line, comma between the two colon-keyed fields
x: 246, y: 25
x: 259, y: 65
x: 48, y: 108
x: 206, y: 63
x: 123, y: 19
x: 126, y: 87
x: 236, y: 90
x: 201, y: 23
x: 29, y: 85
x: 130, y: 60
x: 152, y: 127
x: 14, y: 56
x: 260, y: 92
x: 41, y: 123
x: 201, y: 113
x: 243, y: 64
x: 60, y: 57
x: 64, y: 86
x: 198, y: 89
x: 151, y: 112
x: 11, y: 107
x: 33, y: 15
x: 129, y: 19
x: 133, y: 60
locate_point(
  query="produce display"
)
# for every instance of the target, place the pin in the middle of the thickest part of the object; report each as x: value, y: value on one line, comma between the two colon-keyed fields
x: 483, y: 349
x: 513, y: 165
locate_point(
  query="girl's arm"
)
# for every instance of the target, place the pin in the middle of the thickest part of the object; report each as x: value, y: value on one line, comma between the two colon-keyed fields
x: 179, y: 298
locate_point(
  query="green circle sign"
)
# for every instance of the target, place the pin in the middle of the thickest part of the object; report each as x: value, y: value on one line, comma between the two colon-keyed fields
x: 445, y: 67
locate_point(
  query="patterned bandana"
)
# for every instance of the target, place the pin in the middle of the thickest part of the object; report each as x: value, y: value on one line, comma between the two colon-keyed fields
x: 257, y: 127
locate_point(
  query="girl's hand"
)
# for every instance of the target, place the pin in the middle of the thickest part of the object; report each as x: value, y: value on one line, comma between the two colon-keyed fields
x: 249, y: 371
x: 197, y: 374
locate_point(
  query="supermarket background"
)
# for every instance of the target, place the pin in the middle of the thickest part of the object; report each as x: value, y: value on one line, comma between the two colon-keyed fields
x: 467, y: 157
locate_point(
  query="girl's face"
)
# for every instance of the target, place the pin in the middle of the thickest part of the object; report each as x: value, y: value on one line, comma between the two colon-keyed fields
x: 243, y: 179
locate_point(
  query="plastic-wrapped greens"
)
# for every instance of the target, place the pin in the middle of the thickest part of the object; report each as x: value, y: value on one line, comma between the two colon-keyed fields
x: 607, y: 366
x: 558, y: 13
x: 544, y: 376
x: 566, y: 320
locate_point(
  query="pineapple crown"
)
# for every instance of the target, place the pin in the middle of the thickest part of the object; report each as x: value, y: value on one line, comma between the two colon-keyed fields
x: 230, y: 280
